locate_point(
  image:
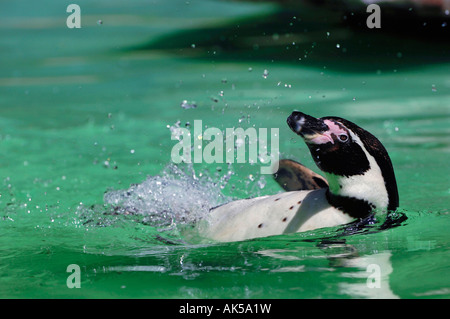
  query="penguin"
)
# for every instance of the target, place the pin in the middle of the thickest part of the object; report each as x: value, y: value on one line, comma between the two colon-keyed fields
x: 359, y: 181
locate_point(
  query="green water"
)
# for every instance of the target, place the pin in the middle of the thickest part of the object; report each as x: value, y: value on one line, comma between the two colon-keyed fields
x: 86, y: 111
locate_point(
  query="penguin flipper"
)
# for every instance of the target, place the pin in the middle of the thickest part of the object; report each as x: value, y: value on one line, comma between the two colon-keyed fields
x: 293, y: 176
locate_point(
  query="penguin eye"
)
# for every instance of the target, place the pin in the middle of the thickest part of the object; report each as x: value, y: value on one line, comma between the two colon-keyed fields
x: 343, y: 137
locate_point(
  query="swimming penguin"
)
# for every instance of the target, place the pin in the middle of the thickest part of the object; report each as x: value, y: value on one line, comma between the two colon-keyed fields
x: 359, y: 180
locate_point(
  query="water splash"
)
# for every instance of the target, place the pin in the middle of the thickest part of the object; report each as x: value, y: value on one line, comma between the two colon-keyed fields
x: 177, y: 196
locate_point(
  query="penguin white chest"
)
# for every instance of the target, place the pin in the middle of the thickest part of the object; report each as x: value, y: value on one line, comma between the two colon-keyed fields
x: 272, y: 215
x: 369, y: 186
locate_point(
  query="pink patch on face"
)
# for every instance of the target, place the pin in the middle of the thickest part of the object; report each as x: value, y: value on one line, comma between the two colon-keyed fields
x: 326, y: 137
x: 321, y: 139
x: 334, y: 128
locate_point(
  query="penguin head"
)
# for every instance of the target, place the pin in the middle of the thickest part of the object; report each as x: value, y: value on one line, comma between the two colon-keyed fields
x: 356, y: 164
x: 334, y: 149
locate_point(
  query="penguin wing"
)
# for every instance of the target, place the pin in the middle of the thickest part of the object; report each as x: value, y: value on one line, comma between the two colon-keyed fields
x: 293, y: 176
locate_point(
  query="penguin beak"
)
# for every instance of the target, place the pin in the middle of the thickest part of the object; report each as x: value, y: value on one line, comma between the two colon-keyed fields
x: 312, y: 130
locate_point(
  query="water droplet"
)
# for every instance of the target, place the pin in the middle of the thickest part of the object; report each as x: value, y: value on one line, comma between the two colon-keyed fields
x: 193, y: 45
x: 338, y: 45
x: 262, y: 183
x: 188, y: 105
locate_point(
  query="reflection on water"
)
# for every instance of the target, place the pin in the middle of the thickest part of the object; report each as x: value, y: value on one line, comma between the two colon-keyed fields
x: 374, y: 270
x: 365, y: 276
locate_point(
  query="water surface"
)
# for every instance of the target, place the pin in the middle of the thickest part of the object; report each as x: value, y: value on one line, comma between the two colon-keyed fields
x: 88, y: 111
